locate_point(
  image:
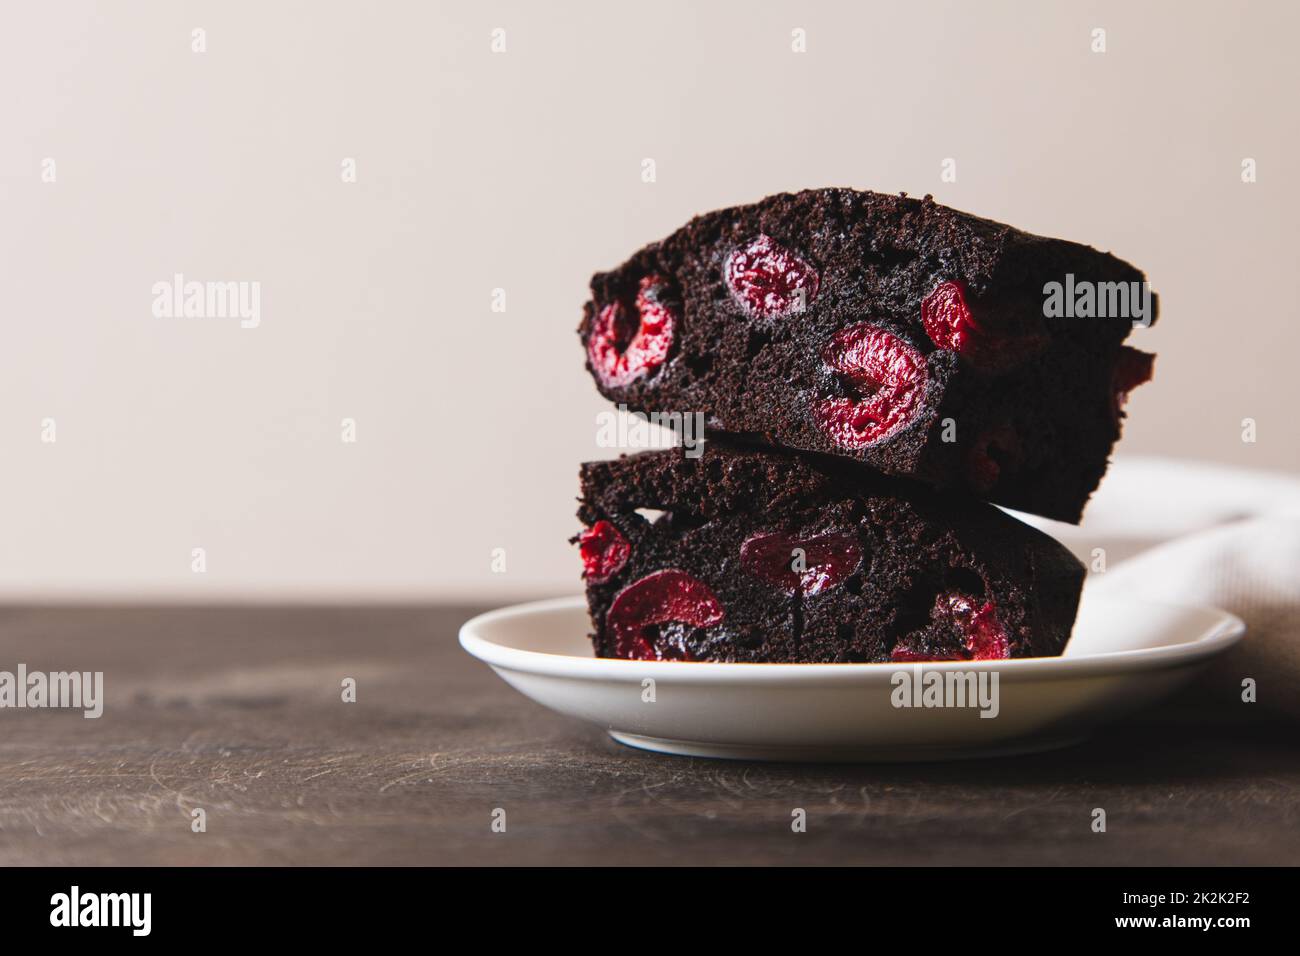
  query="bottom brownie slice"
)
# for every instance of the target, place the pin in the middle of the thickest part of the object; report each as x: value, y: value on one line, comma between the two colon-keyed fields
x: 760, y: 556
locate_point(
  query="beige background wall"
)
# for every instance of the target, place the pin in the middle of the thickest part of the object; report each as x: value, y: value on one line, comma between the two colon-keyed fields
x: 522, y: 170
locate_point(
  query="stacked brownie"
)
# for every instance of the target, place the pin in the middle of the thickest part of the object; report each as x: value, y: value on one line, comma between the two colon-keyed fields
x: 872, y: 370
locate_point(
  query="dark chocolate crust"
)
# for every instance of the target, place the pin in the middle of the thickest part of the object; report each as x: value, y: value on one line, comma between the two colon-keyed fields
x: 915, y: 545
x: 1046, y: 425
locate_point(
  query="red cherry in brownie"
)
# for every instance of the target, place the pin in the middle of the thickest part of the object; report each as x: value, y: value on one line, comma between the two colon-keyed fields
x: 995, y: 451
x: 947, y: 318
x: 604, y: 551
x: 808, y: 565
x: 623, y: 348
x: 949, y: 323
x: 640, y: 611
x: 976, y: 622
x: 889, y: 376
x: 1132, y: 368
x: 769, y: 280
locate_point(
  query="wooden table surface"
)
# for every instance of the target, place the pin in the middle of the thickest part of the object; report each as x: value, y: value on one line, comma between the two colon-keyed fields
x: 238, y: 711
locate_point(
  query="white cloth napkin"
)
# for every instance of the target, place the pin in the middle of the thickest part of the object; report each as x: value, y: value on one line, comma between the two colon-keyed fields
x: 1190, y: 533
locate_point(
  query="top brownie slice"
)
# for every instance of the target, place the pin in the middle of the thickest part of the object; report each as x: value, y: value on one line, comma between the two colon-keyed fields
x: 919, y: 340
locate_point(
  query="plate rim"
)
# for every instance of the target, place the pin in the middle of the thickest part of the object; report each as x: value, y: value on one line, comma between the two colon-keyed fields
x: 1218, y: 636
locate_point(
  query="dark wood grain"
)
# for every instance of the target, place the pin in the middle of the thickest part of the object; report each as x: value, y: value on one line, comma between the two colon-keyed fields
x: 238, y: 711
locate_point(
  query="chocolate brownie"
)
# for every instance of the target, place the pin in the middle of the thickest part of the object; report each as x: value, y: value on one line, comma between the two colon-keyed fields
x: 919, y: 340
x: 759, y: 555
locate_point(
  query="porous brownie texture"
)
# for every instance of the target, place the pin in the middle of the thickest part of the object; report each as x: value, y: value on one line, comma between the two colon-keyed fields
x: 892, y: 331
x: 748, y: 554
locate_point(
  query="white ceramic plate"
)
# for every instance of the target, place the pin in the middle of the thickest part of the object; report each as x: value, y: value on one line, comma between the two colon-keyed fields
x: 1123, y: 655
